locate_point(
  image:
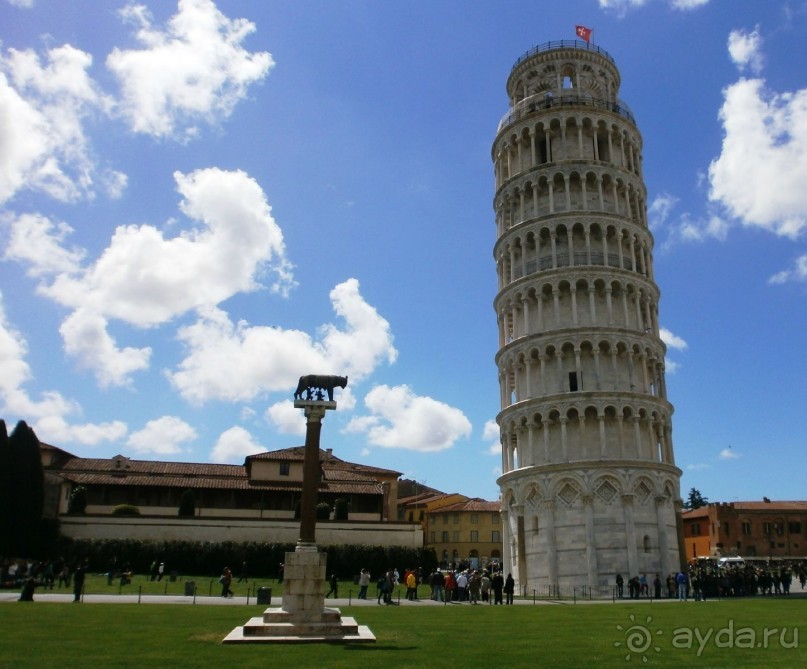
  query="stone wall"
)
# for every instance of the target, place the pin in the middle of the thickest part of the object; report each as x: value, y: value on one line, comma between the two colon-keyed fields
x: 408, y: 535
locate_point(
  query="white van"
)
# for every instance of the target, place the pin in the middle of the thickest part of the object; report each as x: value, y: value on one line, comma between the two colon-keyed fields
x: 730, y: 562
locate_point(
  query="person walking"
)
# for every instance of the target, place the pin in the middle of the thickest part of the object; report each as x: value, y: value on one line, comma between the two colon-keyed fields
x: 497, y: 585
x: 364, y: 582
x: 78, y: 580
x: 509, y: 588
x: 334, y: 587
x: 226, y: 579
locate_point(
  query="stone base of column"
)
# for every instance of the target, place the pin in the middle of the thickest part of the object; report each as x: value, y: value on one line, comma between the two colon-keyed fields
x: 303, y: 617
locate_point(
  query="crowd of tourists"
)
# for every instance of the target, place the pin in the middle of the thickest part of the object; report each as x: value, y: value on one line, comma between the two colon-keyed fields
x: 446, y: 584
x: 705, y: 579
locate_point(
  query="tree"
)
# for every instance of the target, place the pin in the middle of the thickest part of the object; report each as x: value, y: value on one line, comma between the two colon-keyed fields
x: 28, y: 488
x: 6, y: 493
x: 78, y: 500
x: 695, y: 500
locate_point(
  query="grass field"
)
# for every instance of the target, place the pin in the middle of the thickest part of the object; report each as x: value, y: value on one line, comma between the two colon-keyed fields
x: 729, y: 633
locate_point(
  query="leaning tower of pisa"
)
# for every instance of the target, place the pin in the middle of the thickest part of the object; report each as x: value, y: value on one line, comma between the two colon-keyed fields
x: 589, y: 483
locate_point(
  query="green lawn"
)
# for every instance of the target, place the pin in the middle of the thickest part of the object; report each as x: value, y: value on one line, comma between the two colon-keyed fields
x: 710, y: 634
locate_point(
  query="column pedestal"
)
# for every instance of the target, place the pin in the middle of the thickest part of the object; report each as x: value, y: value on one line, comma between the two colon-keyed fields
x: 303, y: 617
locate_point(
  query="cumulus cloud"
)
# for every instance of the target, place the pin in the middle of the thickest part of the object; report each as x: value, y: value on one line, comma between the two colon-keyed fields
x: 46, y: 415
x: 728, y: 454
x: 230, y: 361
x: 798, y: 273
x: 745, y: 50
x: 400, y: 419
x: 759, y: 175
x: 492, y: 436
x: 286, y: 418
x: 145, y: 278
x: 162, y: 436
x: 672, y: 340
x: 234, y: 445
x: 194, y: 69
x: 39, y: 242
x: 621, y: 7
x: 44, y: 107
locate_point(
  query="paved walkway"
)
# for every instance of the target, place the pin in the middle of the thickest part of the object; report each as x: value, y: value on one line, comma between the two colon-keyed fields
x: 13, y: 596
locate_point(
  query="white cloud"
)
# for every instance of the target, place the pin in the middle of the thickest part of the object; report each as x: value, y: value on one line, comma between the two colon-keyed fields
x: 25, y: 4
x: 43, y: 107
x: 401, y: 419
x: 195, y: 69
x: 745, y: 50
x: 698, y: 467
x: 38, y: 242
x: 286, y: 418
x: 162, y: 436
x: 660, y: 209
x: 144, y: 278
x: 672, y: 340
x: 55, y: 428
x: 229, y: 361
x: 621, y: 7
x: 492, y: 435
x: 234, y: 445
x: 88, y: 341
x: 798, y: 273
x: 760, y: 173
x: 46, y: 415
x: 728, y: 454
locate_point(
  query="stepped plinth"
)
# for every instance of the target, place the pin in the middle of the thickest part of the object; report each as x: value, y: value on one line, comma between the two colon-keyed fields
x: 303, y: 617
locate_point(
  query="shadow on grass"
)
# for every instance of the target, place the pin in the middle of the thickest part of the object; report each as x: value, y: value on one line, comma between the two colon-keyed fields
x: 371, y: 646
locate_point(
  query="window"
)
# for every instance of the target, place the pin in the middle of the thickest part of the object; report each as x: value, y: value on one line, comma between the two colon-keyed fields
x: 432, y: 537
x: 767, y: 528
x: 726, y: 527
x: 444, y: 536
x: 284, y: 468
x: 456, y: 518
x: 746, y: 528
x: 794, y: 528
x: 474, y: 519
x: 445, y: 519
x: 474, y: 536
x: 456, y: 535
x: 496, y: 536
x: 696, y: 529
x: 574, y: 382
x: 495, y: 518
x: 779, y: 527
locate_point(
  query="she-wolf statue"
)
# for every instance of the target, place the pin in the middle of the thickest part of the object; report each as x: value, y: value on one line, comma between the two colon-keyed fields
x: 314, y: 384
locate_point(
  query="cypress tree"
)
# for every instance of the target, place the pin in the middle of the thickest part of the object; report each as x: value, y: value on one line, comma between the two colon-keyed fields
x: 28, y: 488
x: 6, y: 493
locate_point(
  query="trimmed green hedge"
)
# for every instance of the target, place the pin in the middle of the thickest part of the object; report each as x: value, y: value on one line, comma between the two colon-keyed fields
x: 262, y: 558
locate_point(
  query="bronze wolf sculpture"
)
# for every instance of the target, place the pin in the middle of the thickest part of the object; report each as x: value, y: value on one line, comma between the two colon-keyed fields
x: 316, y: 382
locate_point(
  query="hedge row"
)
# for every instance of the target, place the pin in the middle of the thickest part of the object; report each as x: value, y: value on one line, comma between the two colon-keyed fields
x: 262, y: 558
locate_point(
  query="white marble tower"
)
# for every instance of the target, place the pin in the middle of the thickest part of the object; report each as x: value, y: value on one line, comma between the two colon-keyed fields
x: 589, y: 485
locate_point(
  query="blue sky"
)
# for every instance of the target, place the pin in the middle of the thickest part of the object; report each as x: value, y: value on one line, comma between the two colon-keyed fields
x: 199, y: 202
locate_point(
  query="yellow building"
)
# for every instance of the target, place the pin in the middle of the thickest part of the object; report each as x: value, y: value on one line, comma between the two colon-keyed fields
x: 466, y: 533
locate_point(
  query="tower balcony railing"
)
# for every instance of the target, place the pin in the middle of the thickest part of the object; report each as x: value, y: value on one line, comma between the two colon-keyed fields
x: 539, y: 101
x: 563, y: 44
x: 562, y: 260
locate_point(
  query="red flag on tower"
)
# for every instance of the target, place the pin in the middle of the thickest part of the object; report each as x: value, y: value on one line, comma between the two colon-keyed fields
x: 583, y: 33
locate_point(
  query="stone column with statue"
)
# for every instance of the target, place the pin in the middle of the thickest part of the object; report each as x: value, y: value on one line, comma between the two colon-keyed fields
x: 303, y: 615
